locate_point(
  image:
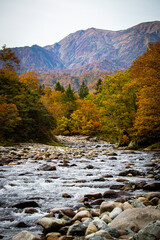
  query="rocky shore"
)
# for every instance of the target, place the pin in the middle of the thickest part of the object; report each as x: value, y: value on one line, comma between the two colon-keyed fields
x: 117, y: 213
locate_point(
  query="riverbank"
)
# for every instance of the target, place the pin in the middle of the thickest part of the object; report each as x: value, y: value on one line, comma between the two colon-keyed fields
x: 85, y: 176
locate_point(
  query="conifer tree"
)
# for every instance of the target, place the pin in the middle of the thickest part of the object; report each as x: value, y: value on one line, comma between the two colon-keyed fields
x: 83, y: 91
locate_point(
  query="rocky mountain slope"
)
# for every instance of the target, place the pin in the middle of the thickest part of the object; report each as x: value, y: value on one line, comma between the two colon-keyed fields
x: 91, y: 50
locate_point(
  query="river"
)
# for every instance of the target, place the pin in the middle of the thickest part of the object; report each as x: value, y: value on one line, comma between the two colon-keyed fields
x: 79, y: 170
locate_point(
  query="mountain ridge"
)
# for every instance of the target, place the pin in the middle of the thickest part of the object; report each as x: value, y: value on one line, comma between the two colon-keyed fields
x: 91, y: 50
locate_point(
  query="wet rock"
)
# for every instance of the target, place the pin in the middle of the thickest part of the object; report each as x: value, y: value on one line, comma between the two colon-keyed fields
x: 89, y: 167
x: 66, y: 195
x: 135, y: 218
x: 51, y: 223
x: 152, y: 187
x: 30, y: 210
x: 149, y: 232
x: 97, y: 202
x: 115, y: 212
x: 132, y: 172
x: 113, y: 232
x: 151, y: 195
x: 117, y: 187
x: 21, y: 225
x: 25, y: 235
x: 93, y: 196
x: 78, y: 229
x: 26, y: 204
x: 110, y: 194
x: 109, y: 206
x: 46, y: 167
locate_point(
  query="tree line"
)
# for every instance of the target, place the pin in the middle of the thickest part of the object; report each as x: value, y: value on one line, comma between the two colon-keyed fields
x: 123, y: 108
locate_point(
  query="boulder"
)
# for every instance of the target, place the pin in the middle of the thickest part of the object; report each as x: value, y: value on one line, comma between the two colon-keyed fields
x: 53, y: 236
x: 25, y: 235
x: 131, y: 171
x: 149, y: 232
x: 26, y: 204
x: 46, y: 167
x: 93, y: 196
x: 110, y: 194
x: 105, y: 217
x: 91, y: 229
x: 51, y: 223
x: 135, y: 218
x: 69, y: 212
x: 151, y: 195
x: 152, y: 187
x: 77, y: 229
x: 82, y: 214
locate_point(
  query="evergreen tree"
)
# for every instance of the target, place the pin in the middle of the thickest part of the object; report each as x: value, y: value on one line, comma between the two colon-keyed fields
x: 98, y: 84
x: 83, y: 91
x: 69, y: 94
x: 59, y: 87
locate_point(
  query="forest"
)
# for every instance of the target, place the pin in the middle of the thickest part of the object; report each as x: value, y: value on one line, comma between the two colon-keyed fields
x: 124, y: 108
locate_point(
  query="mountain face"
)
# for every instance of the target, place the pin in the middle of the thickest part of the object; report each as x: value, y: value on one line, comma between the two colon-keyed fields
x: 91, y: 50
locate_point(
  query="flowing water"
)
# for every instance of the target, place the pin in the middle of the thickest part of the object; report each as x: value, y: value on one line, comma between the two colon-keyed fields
x: 26, y: 181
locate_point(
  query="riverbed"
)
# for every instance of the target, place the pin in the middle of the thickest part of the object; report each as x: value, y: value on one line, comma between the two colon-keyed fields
x: 58, y: 177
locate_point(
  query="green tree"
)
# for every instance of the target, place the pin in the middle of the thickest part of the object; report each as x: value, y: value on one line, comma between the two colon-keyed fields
x: 83, y: 91
x: 59, y: 87
x: 98, y: 84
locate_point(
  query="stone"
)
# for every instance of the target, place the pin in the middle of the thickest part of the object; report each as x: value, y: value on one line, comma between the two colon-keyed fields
x: 25, y: 235
x: 53, y: 236
x: 77, y: 229
x: 93, y: 196
x: 135, y: 218
x: 100, y: 233
x: 131, y: 171
x: 30, y: 210
x: 117, y: 186
x: 26, y: 204
x: 109, y: 206
x: 113, y: 232
x: 46, y: 167
x: 110, y: 194
x: 66, y: 195
x: 127, y: 205
x: 69, y: 212
x: 151, y: 195
x: 91, y: 229
x: 105, y: 217
x: 66, y: 238
x: 149, y: 232
x: 100, y: 224
x: 137, y: 204
x: 51, y: 223
x: 115, y: 212
x: 152, y: 187
x: 82, y: 214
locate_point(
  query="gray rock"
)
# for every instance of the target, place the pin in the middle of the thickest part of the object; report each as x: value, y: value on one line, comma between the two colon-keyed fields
x: 25, y: 235
x: 101, y: 233
x: 135, y: 218
x: 100, y: 224
x: 115, y: 212
x: 149, y: 232
x: 138, y: 204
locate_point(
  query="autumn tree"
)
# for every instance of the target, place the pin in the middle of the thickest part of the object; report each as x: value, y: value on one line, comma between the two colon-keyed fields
x: 8, y: 59
x: 146, y: 77
x: 30, y: 79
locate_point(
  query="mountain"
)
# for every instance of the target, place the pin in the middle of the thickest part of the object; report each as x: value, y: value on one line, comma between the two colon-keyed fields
x: 91, y: 50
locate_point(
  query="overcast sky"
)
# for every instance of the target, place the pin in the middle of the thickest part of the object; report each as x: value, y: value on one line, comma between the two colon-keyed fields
x: 44, y: 22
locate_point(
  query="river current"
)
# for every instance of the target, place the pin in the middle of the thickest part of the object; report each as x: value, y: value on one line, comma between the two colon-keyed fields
x: 86, y: 172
